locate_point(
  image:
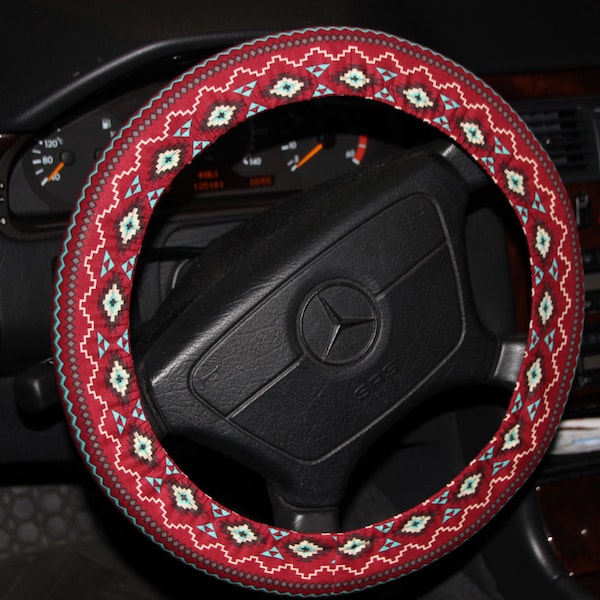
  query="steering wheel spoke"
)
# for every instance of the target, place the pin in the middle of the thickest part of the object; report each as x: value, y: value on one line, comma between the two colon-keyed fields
x: 510, y: 359
x: 308, y: 520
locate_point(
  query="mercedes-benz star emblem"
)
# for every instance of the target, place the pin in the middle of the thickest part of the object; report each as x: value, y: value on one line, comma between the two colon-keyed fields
x: 338, y: 323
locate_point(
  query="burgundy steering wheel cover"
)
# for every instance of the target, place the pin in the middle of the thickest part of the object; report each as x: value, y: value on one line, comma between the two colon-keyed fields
x: 94, y: 281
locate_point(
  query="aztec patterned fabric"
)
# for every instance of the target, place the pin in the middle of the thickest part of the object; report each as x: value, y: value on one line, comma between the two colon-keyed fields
x: 94, y: 362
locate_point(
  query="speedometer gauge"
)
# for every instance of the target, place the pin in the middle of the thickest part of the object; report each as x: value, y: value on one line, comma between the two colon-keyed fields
x: 325, y: 155
x: 51, y: 168
x: 282, y: 166
x: 49, y: 158
x: 267, y: 157
x: 57, y: 165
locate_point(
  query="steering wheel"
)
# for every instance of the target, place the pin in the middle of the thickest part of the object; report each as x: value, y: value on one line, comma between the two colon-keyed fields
x: 330, y: 318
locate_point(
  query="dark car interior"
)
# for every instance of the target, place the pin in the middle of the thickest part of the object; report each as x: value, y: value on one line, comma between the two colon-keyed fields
x: 74, y: 74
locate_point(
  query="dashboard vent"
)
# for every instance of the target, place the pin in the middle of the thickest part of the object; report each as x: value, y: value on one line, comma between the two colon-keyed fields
x: 567, y: 130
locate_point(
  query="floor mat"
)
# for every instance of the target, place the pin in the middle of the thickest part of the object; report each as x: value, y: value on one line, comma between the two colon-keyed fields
x: 63, y: 542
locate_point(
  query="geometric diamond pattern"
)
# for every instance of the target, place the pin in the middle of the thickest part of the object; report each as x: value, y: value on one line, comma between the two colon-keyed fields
x: 94, y: 284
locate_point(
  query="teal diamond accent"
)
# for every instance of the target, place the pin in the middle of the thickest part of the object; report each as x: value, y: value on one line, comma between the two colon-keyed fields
x: 385, y: 95
x: 499, y: 148
x: 123, y: 341
x: 130, y: 225
x: 322, y: 90
x: 470, y: 485
x: 543, y: 241
x: 489, y: 162
x: 120, y: 421
x: 354, y: 546
x: 107, y: 264
x: 154, y: 195
x: 487, y: 454
x: 387, y: 75
x: 170, y: 468
x: 246, y: 89
x: 119, y: 379
x: 546, y: 308
x: 554, y: 270
x: 523, y: 213
x: 127, y: 267
x: 512, y: 438
x: 389, y: 544
x: 537, y: 203
x: 138, y: 411
x: 113, y: 302
x: 184, y: 130
x: 532, y: 409
x: 155, y: 482
x: 539, y: 275
x: 221, y: 115
x: 442, y: 122
x: 416, y: 524
x: 198, y: 146
x: 385, y: 527
x: 449, y: 103
x: 184, y: 498
x: 443, y: 498
x: 535, y: 338
x: 450, y: 513
x: 208, y: 529
x: 518, y: 404
x: 242, y: 534
x: 516, y: 182
x: 305, y: 549
x: 549, y: 339
x: 255, y: 109
x: 219, y: 512
x: 273, y: 553
x: 318, y: 70
x: 134, y: 188
x: 103, y: 345
x: 499, y: 465
x: 278, y: 534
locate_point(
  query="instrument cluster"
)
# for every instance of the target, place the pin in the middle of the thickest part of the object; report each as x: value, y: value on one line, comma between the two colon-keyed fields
x: 273, y: 153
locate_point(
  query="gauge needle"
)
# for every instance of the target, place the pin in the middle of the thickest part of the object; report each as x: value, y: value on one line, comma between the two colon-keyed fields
x: 54, y: 173
x: 308, y: 156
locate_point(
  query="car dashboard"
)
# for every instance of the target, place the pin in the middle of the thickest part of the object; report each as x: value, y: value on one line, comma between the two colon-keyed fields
x: 49, y: 149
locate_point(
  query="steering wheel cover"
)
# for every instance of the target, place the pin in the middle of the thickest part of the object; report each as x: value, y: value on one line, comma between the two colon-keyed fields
x: 94, y: 281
